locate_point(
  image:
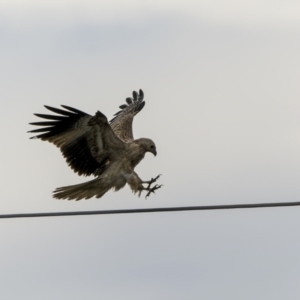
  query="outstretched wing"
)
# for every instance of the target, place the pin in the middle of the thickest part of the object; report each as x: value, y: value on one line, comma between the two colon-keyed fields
x: 87, y: 142
x: 122, y: 121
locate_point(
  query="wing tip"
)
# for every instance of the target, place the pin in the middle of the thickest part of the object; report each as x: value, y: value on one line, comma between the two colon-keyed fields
x: 141, y: 94
x: 133, y: 104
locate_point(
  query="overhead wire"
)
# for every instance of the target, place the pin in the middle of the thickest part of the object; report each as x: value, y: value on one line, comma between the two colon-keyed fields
x: 147, y: 210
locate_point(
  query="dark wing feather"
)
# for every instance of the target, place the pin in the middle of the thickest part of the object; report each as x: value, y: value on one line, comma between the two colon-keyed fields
x: 122, y: 120
x: 88, y: 143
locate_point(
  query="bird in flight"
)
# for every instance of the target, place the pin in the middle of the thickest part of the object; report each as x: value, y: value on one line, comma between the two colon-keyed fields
x: 93, y: 146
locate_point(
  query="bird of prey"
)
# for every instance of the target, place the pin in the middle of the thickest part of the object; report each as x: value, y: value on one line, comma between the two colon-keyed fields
x: 93, y: 146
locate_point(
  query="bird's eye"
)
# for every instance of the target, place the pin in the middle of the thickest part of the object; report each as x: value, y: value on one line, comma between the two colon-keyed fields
x: 151, y: 147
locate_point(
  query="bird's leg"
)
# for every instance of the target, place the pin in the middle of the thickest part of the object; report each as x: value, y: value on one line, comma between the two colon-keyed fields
x: 152, y: 180
x: 153, y: 189
x: 149, y: 188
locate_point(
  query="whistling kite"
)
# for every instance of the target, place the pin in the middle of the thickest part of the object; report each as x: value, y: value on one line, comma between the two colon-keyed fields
x: 93, y: 146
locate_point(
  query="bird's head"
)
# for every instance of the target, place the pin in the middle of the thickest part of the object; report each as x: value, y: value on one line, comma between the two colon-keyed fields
x: 148, y: 145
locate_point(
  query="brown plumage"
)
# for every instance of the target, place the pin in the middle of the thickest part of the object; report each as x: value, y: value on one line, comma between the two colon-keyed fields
x: 93, y: 146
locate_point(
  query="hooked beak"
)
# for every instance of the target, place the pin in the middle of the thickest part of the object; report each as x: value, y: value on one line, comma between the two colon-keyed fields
x: 154, y: 152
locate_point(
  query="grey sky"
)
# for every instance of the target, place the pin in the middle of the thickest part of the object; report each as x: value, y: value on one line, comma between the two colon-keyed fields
x: 221, y: 83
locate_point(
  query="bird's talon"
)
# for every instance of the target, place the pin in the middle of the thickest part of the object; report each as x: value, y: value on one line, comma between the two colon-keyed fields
x: 152, y: 181
x: 152, y: 190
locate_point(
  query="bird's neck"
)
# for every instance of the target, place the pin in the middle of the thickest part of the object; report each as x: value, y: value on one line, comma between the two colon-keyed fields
x: 136, y: 153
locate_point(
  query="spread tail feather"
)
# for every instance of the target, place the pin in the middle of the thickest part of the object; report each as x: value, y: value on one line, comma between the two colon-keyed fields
x: 86, y: 190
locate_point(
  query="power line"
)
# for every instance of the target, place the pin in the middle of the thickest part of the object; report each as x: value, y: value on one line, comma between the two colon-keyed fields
x: 148, y: 210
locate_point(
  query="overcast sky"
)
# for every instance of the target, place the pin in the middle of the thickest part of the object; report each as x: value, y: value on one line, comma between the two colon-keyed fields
x: 221, y: 84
